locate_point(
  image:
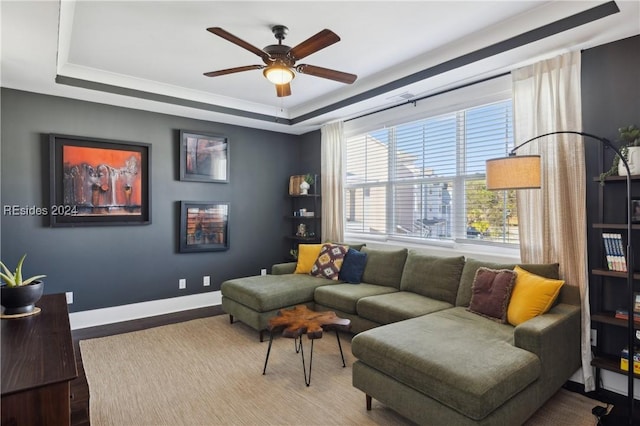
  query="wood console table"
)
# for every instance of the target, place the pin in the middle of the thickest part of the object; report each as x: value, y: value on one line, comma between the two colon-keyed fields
x: 38, y: 363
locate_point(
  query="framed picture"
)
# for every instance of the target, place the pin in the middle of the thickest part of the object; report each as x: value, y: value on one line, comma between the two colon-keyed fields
x: 635, y: 208
x: 204, y: 226
x: 98, y: 182
x: 204, y: 157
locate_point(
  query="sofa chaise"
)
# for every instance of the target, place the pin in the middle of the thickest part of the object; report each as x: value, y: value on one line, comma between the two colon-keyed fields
x: 421, y: 350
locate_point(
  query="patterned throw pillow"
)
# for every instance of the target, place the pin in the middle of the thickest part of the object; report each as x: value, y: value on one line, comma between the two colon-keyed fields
x: 329, y: 261
x: 491, y: 292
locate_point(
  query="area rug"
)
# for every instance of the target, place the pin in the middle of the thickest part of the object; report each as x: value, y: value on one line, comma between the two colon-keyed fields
x: 209, y: 372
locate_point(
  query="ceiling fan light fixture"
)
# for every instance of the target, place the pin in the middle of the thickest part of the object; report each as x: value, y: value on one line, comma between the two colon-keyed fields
x: 278, y: 74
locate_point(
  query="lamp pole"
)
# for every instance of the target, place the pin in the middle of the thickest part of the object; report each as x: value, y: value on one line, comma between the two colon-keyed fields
x: 630, y: 257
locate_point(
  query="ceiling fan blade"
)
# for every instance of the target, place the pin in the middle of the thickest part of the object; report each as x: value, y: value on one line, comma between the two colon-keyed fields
x: 314, y: 43
x: 235, y: 40
x: 342, y: 77
x: 283, y: 90
x: 232, y: 70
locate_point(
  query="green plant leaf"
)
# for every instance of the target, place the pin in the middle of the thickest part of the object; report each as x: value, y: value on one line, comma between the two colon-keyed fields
x: 7, y: 279
x: 18, y: 273
x: 32, y: 279
x: 7, y: 276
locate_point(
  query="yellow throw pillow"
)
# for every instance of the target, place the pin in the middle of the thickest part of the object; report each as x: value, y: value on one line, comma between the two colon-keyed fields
x: 307, y: 255
x: 532, y: 295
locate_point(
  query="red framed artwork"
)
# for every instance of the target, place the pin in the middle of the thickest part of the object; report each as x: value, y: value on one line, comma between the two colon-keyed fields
x: 204, y: 226
x: 98, y: 182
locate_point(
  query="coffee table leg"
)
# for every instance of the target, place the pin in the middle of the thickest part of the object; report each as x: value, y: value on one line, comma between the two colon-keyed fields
x: 264, y: 370
x: 307, y: 380
x: 340, y: 346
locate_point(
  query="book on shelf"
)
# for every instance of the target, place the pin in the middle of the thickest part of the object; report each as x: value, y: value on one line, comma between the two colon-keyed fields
x: 624, y: 360
x: 614, y: 252
x: 624, y: 314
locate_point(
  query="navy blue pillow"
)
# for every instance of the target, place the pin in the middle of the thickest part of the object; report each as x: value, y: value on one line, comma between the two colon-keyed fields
x: 353, y: 266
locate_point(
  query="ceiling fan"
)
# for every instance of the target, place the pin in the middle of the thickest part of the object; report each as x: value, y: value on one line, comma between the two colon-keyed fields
x: 281, y: 59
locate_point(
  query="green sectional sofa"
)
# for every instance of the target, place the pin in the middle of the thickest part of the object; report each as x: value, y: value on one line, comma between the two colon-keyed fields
x: 419, y: 349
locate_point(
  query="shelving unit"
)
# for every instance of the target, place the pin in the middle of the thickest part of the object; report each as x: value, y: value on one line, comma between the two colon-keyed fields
x: 610, y: 287
x: 310, y: 202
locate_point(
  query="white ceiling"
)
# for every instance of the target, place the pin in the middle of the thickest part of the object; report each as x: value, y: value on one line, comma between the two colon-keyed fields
x: 151, y: 54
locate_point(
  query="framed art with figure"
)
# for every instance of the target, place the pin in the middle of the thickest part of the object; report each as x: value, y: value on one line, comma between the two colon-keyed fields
x: 204, y: 226
x: 98, y: 182
x: 204, y: 157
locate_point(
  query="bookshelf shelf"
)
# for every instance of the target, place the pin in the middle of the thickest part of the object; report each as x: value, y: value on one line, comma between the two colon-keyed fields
x: 304, y: 229
x: 609, y: 318
x: 608, y: 278
x: 615, y: 274
x: 610, y: 363
x: 614, y: 179
x: 622, y: 226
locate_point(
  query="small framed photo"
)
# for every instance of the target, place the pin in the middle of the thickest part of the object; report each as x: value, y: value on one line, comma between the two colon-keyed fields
x: 204, y: 157
x: 635, y: 209
x: 96, y: 182
x: 204, y: 226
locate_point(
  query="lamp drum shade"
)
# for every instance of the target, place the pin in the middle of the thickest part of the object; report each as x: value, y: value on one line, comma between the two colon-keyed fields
x: 513, y: 172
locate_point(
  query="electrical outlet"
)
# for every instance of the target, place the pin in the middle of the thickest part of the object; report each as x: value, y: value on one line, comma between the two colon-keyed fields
x: 69, y: 295
x: 182, y: 283
x: 206, y: 280
x: 263, y: 271
x: 594, y: 337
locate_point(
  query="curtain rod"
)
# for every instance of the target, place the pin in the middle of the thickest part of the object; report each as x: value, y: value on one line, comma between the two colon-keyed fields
x: 414, y: 101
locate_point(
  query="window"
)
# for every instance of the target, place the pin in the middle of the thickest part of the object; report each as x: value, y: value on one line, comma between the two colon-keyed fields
x: 425, y: 180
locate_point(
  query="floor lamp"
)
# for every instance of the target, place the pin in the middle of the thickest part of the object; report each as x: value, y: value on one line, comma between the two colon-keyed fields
x: 523, y: 172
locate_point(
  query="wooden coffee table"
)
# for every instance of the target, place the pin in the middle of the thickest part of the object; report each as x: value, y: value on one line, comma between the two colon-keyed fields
x: 302, y: 320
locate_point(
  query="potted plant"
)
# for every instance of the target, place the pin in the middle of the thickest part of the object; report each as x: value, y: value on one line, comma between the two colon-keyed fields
x: 19, y: 295
x: 630, y: 149
x: 306, y: 184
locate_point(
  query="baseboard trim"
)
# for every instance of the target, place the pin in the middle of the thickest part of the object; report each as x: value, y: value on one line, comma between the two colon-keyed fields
x: 114, y: 314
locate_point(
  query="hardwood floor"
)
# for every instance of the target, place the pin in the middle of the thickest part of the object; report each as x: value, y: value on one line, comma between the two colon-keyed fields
x: 79, y: 386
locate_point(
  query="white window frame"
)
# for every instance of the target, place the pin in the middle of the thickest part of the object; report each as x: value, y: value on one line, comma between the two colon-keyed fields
x: 490, y: 91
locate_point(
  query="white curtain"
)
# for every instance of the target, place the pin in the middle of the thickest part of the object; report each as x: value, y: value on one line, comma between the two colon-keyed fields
x: 552, y: 220
x: 331, y: 175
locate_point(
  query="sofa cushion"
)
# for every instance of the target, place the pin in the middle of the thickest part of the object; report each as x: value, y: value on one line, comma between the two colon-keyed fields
x: 264, y: 293
x: 344, y: 297
x: 548, y: 270
x: 384, y: 267
x: 355, y: 246
x: 393, y: 307
x: 329, y: 261
x: 491, y: 291
x: 353, y: 266
x: 307, y: 255
x: 432, y: 276
x: 458, y: 358
x: 533, y: 295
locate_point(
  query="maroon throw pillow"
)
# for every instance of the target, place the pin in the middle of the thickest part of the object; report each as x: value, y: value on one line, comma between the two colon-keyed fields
x: 490, y: 293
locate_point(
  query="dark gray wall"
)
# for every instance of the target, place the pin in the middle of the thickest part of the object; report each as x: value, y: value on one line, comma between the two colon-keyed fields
x: 115, y: 265
x: 610, y: 100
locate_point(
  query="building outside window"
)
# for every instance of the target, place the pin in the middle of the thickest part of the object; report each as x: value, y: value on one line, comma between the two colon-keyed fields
x: 425, y: 180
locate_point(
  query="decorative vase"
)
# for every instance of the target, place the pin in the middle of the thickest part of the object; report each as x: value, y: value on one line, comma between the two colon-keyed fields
x: 633, y: 159
x: 21, y: 299
x: 304, y: 188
